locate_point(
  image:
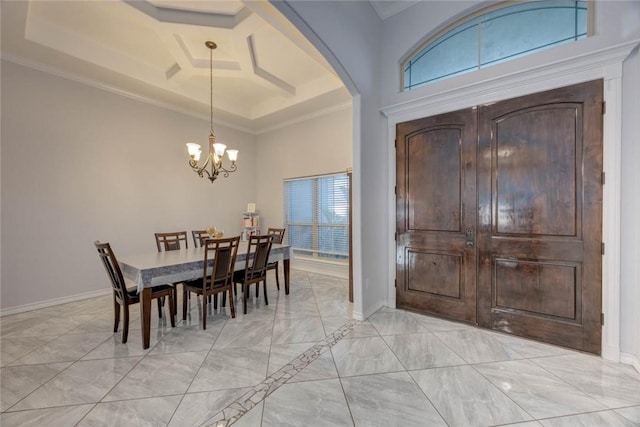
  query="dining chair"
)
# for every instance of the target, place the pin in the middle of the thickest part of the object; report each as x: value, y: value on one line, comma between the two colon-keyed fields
x: 278, y: 236
x: 199, y: 236
x: 123, y: 296
x: 255, y: 270
x: 216, y: 278
x: 172, y: 241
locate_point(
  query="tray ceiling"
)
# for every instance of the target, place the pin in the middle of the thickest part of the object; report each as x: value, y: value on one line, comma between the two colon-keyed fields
x: 265, y: 71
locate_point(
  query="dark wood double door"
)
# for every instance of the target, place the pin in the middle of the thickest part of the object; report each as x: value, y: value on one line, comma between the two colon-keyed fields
x: 499, y: 216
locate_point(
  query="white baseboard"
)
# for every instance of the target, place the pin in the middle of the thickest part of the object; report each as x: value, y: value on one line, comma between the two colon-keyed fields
x: 610, y: 353
x: 366, y: 314
x: 321, y: 267
x: 57, y: 301
x: 630, y: 359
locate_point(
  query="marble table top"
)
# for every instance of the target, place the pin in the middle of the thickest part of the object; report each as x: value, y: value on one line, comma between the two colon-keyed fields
x: 156, y: 268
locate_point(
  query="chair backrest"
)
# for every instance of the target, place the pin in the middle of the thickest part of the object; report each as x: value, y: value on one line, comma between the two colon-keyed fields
x: 171, y: 241
x: 199, y: 236
x: 113, y: 270
x: 258, y: 255
x: 220, y: 260
x: 278, y: 234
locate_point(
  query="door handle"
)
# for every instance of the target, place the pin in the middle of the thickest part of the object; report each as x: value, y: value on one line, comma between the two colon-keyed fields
x: 470, y: 238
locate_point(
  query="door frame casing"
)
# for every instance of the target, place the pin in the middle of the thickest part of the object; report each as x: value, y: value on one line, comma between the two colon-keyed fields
x: 605, y: 64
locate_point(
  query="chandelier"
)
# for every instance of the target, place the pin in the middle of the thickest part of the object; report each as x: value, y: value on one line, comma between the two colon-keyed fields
x: 216, y: 149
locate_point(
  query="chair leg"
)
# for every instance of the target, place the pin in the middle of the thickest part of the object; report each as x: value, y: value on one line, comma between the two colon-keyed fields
x: 204, y: 311
x: 160, y: 304
x: 116, y: 313
x: 223, y: 301
x: 172, y: 308
x: 184, y: 302
x: 231, y: 307
x: 264, y: 284
x: 245, y: 291
x: 257, y: 289
x: 215, y: 300
x: 175, y: 300
x: 125, y: 327
x: 277, y: 279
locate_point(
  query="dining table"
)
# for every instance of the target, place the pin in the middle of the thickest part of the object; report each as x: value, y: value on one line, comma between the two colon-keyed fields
x: 152, y: 268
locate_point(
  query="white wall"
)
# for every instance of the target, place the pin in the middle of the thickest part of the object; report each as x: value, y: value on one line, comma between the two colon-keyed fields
x: 348, y: 33
x: 630, y: 201
x: 80, y: 164
x: 316, y: 146
x: 351, y: 42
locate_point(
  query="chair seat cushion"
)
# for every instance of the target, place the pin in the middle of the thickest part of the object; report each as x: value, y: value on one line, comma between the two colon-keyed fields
x: 133, y: 292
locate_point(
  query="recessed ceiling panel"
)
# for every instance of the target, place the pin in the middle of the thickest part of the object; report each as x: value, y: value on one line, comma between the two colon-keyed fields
x: 155, y: 49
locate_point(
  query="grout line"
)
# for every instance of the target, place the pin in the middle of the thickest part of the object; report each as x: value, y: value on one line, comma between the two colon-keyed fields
x: 235, y: 410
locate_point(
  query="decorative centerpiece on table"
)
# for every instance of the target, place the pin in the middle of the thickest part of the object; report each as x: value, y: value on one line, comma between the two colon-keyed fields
x: 214, y: 233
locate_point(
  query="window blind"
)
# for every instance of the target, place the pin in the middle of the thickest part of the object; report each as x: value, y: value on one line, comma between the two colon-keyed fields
x: 316, y: 215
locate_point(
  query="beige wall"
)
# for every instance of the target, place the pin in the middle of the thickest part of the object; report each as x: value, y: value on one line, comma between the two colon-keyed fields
x: 80, y: 164
x: 315, y: 146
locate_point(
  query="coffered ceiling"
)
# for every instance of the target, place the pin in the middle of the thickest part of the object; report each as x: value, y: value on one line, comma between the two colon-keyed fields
x: 265, y: 72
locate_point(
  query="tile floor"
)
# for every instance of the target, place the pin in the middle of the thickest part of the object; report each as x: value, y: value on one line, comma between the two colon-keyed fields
x: 63, y: 366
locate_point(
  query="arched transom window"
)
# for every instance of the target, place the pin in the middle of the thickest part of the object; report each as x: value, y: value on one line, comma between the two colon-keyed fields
x: 496, y: 35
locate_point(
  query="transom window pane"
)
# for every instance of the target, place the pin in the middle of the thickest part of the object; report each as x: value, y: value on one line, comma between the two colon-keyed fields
x: 316, y: 212
x: 497, y: 36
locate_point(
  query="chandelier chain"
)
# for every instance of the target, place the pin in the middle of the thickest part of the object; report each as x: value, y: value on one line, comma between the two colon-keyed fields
x: 211, y: 86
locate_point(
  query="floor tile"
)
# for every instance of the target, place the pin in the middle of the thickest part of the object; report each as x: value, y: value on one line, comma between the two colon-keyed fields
x: 281, y: 354
x: 253, y: 418
x: 66, y: 348
x: 156, y: 411
x: 389, y: 399
x: 362, y: 329
x: 361, y: 356
x: 537, y: 391
x: 611, y: 384
x: 434, y: 324
x: 389, y: 322
x: 188, y: 339
x: 396, y: 368
x: 476, y: 346
x: 231, y: 368
x: 83, y: 382
x: 17, y: 347
x: 114, y: 348
x: 464, y: 398
x: 631, y: 413
x: 249, y: 333
x: 320, y: 369
x: 158, y: 375
x: 288, y: 331
x: 16, y: 382
x: 594, y: 419
x: 196, y: 408
x: 52, y: 417
x: 421, y: 351
x: 312, y: 403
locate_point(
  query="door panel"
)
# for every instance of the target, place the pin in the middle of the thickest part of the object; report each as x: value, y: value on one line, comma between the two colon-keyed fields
x: 436, y: 205
x: 539, y: 230
x: 523, y: 177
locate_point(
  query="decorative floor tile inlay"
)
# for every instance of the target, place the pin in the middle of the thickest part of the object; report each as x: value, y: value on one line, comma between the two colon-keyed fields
x: 235, y: 410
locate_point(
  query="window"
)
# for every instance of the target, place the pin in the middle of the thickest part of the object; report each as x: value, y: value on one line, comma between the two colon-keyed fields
x: 496, y: 36
x: 316, y: 215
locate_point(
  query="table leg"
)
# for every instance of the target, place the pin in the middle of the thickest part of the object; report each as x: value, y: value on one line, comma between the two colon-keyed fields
x: 145, y: 316
x: 286, y: 275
